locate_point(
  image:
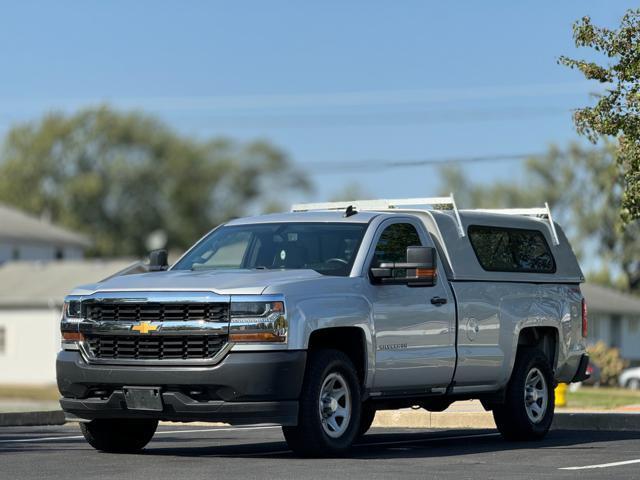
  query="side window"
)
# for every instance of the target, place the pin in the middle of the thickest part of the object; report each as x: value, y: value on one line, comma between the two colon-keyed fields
x: 393, y: 243
x: 511, y: 249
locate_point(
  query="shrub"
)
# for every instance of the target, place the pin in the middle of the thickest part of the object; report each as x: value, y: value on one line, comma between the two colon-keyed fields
x: 609, y: 361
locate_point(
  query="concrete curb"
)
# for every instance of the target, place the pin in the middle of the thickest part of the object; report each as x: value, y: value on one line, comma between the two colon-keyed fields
x: 408, y: 418
x: 32, y: 419
x: 603, y: 421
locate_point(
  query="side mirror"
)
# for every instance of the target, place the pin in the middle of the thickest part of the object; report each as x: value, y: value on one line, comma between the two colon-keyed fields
x: 158, y: 260
x: 418, y: 271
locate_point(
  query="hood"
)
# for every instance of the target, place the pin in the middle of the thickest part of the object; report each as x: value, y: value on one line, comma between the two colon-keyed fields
x: 223, y: 282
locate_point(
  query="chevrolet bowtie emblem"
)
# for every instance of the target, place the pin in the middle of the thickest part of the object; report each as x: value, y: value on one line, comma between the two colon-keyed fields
x: 144, y: 327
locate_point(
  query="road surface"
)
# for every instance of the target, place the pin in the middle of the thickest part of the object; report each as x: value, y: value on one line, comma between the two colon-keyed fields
x: 194, y: 452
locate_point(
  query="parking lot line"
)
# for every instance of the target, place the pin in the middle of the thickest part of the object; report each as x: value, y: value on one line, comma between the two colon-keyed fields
x: 602, y: 465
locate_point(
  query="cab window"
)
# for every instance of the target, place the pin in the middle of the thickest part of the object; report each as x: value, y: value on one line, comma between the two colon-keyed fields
x: 393, y: 243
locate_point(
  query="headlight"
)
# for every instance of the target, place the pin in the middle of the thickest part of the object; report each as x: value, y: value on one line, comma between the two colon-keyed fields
x: 71, y: 317
x: 72, y: 309
x: 258, y: 322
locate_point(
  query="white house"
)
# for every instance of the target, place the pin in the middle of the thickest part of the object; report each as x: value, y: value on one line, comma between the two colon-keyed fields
x: 25, y: 237
x: 614, y: 318
x: 31, y: 296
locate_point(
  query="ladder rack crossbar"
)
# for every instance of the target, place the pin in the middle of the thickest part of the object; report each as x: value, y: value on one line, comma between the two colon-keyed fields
x: 542, y: 212
x: 382, y: 204
x: 387, y: 204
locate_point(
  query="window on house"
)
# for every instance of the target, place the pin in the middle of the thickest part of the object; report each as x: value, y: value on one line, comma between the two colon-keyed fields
x: 59, y: 254
x: 3, y: 341
x: 15, y: 254
x: 511, y: 249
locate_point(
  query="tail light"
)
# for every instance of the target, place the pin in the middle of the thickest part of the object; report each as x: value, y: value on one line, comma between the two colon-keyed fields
x: 585, y: 322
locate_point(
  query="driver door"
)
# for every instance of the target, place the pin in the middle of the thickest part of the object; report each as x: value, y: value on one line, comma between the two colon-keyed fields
x: 414, y: 326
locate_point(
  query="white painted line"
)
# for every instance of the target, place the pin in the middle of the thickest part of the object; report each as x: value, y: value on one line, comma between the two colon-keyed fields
x: 164, y: 432
x: 41, y: 439
x: 226, y: 429
x: 602, y: 465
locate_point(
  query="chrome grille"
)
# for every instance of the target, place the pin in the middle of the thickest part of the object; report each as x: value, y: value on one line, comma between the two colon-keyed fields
x: 156, y: 312
x: 155, y: 347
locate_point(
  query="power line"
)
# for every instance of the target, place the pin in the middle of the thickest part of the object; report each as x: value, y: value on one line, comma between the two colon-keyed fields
x: 323, y: 168
x: 381, y: 118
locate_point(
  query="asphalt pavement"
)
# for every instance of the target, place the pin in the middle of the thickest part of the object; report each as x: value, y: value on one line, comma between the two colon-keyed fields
x: 194, y: 452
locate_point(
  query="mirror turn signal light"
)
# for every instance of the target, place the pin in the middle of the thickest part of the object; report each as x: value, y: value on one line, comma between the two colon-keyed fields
x: 425, y: 272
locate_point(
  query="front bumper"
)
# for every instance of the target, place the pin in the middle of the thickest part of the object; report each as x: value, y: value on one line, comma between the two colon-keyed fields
x: 245, y: 388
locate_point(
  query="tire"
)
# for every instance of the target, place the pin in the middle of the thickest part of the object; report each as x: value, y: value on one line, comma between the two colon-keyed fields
x: 119, y: 436
x: 523, y: 417
x: 367, y: 415
x: 329, y: 427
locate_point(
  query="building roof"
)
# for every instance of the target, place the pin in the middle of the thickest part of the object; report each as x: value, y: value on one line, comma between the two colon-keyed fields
x: 608, y: 300
x: 19, y: 226
x: 45, y: 284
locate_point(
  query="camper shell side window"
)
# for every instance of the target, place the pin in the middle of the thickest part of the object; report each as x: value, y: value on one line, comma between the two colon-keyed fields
x: 504, y: 249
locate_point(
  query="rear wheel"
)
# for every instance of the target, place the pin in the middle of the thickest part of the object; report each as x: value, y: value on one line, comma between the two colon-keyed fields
x: 118, y: 435
x: 528, y: 409
x: 329, y: 415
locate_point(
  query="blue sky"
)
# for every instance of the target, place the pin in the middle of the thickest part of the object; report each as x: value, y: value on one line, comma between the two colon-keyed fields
x: 329, y: 82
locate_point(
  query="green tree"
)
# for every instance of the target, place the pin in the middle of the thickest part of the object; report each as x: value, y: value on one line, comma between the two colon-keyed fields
x: 616, y: 113
x: 584, y: 187
x: 119, y: 176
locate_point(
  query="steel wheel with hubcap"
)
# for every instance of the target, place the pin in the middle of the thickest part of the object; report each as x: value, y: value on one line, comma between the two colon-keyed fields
x: 527, y: 411
x: 335, y: 405
x: 535, y: 395
x: 329, y: 410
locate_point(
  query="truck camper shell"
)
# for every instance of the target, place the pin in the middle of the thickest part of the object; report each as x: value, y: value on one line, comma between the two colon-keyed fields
x: 449, y: 228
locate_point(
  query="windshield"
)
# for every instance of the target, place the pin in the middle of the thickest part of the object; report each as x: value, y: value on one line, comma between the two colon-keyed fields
x: 327, y: 248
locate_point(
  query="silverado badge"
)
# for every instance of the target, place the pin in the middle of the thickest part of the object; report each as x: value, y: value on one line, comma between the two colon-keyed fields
x: 144, y: 327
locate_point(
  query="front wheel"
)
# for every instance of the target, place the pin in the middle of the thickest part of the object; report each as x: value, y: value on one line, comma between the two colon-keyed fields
x: 528, y: 409
x: 329, y: 415
x: 119, y: 435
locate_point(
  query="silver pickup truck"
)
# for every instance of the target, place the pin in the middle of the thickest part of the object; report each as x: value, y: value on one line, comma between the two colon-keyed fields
x: 317, y: 318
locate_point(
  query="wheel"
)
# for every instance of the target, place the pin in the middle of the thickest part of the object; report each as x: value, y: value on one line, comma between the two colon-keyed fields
x: 118, y: 435
x: 367, y: 415
x: 329, y: 412
x: 633, y: 384
x: 528, y: 409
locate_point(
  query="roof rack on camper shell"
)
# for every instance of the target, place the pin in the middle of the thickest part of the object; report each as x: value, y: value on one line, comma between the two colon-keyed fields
x: 436, y: 203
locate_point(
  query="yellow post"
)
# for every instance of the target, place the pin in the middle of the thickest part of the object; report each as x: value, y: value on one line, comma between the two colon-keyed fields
x: 561, y: 395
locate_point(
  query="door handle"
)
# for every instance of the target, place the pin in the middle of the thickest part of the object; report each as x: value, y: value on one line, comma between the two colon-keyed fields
x: 438, y: 300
